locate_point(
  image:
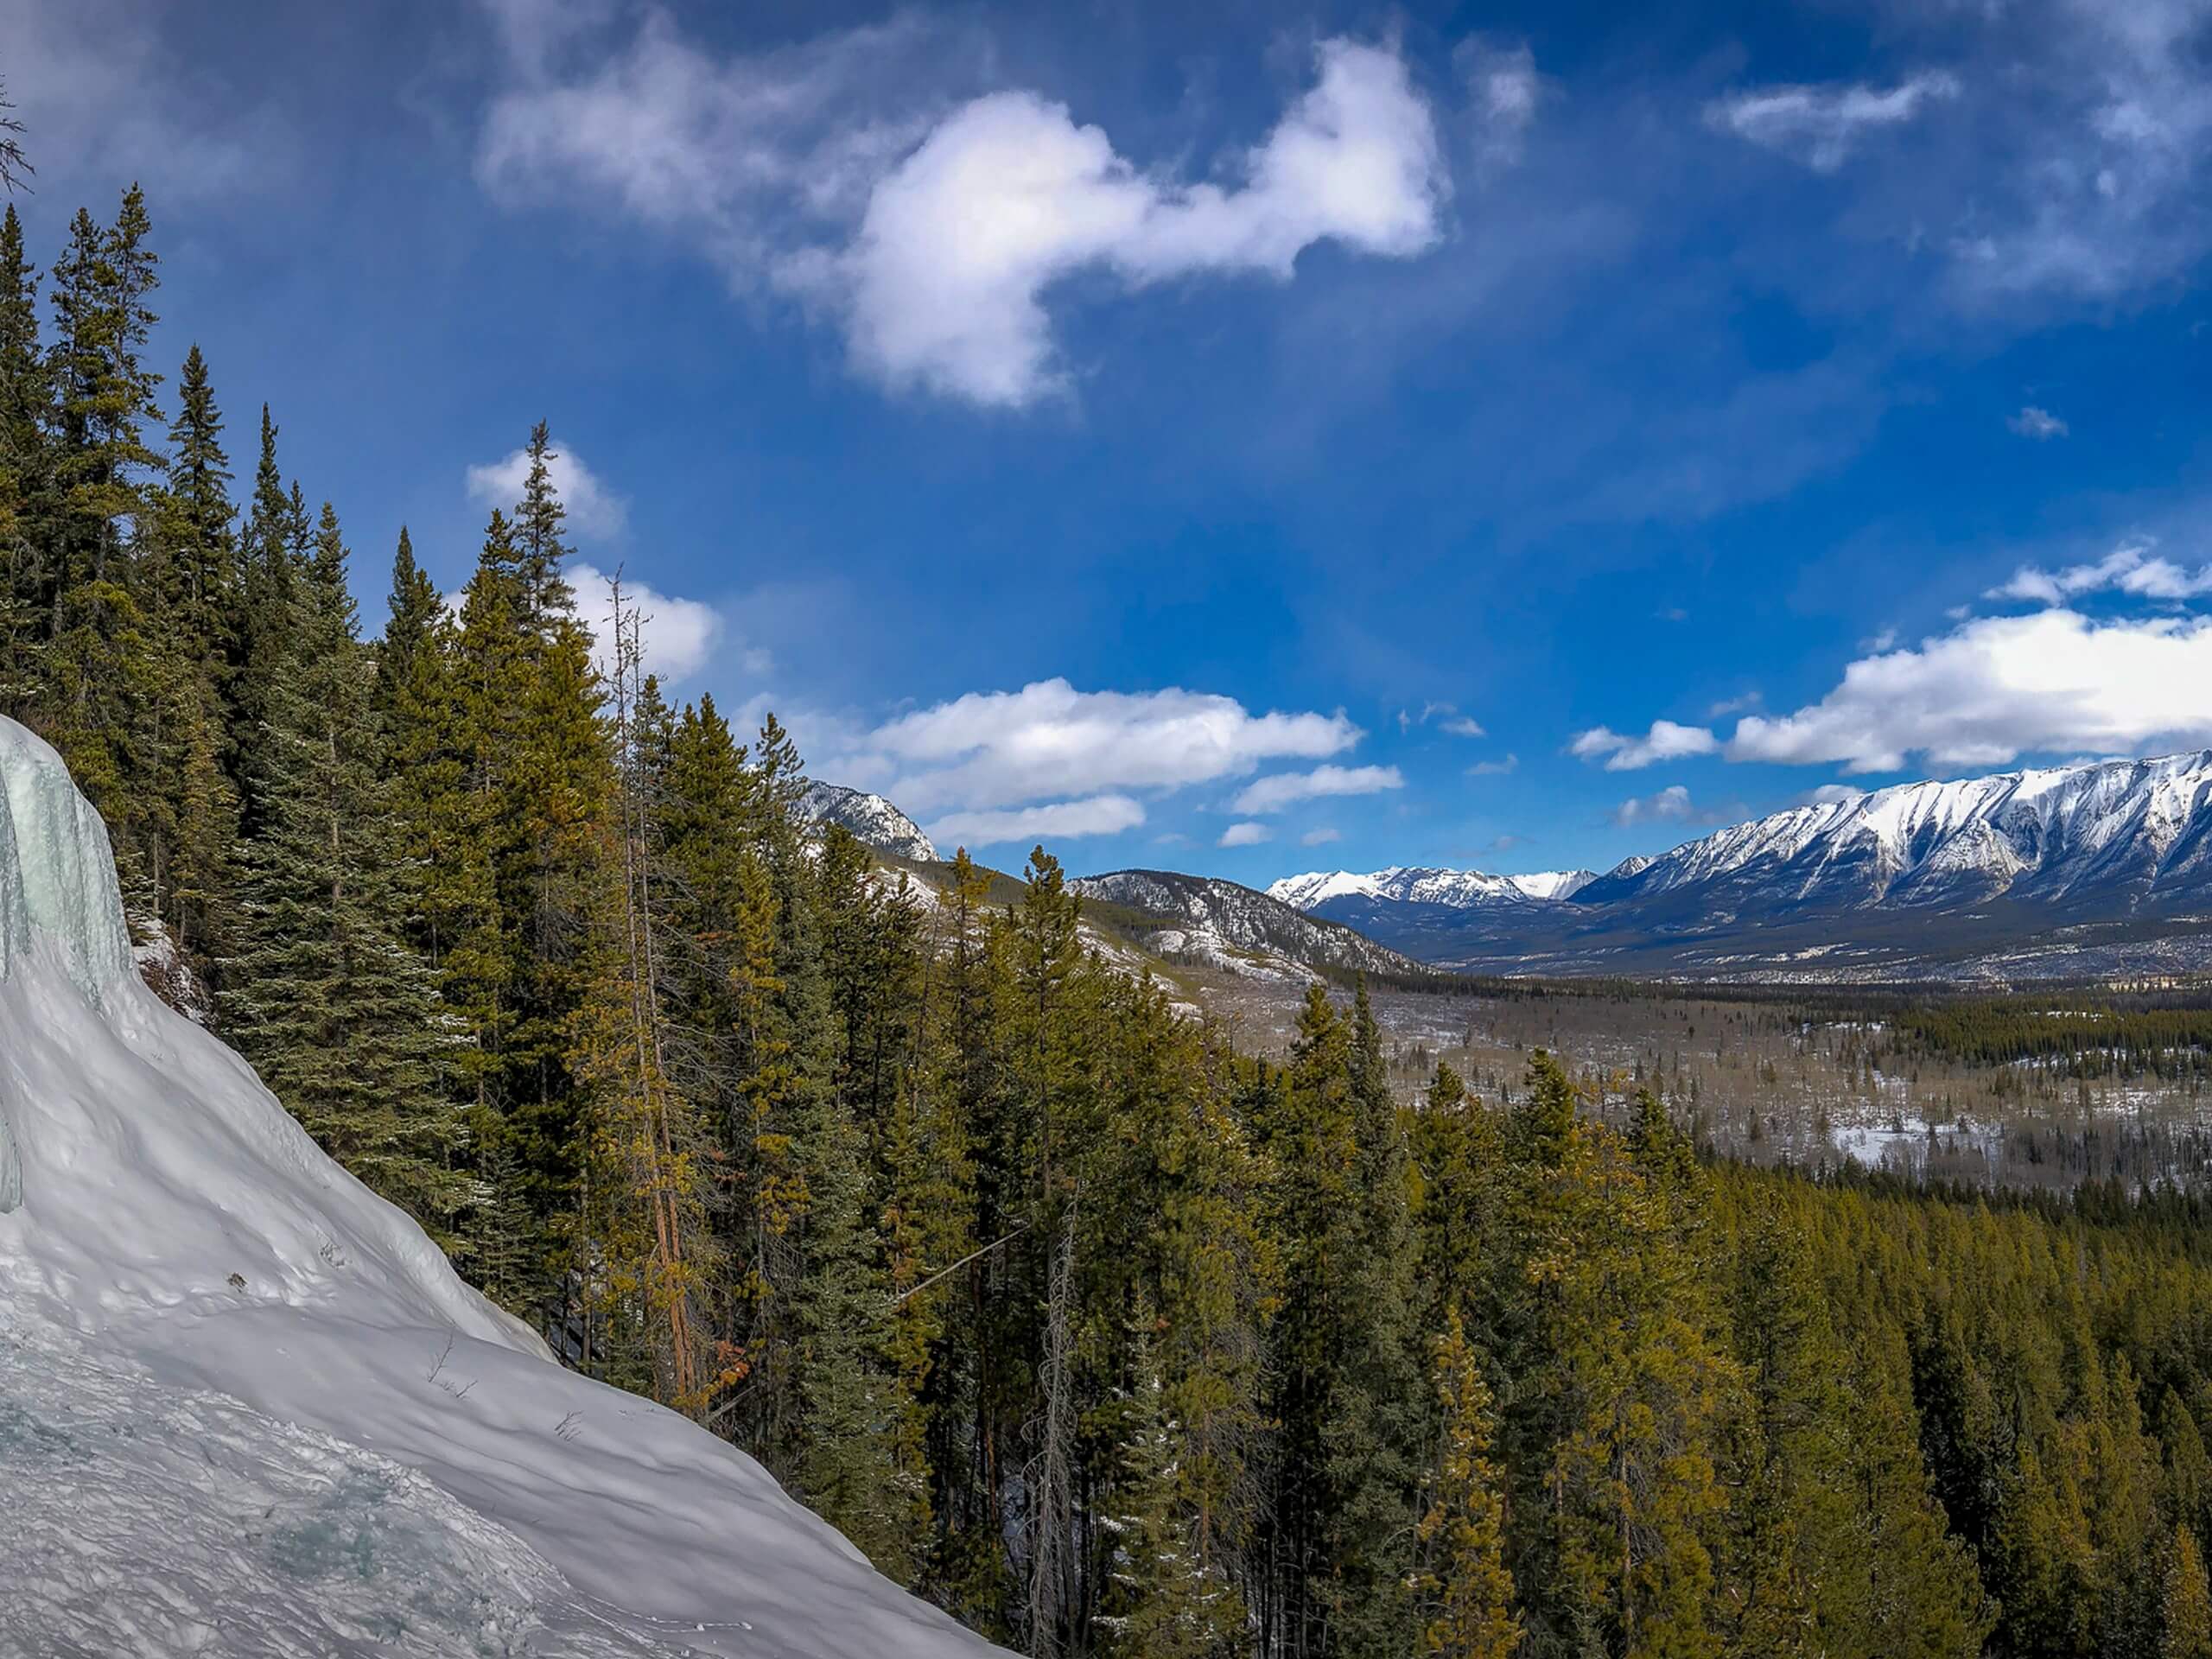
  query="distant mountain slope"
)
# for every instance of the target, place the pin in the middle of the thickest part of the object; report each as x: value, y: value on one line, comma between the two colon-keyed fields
x: 872, y: 820
x: 2095, y: 870
x: 1237, y: 927
x: 1458, y: 889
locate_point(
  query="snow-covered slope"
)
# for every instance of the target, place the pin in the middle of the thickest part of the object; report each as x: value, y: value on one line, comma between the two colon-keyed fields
x: 247, y: 1407
x: 1458, y: 889
x: 1238, y: 928
x: 872, y: 820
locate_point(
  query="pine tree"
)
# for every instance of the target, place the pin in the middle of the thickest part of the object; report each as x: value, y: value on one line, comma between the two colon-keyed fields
x: 1374, y: 1422
x: 2184, y: 1601
x: 539, y: 523
x: 1163, y: 1598
x: 27, y: 578
x: 322, y: 993
x: 1467, y: 1591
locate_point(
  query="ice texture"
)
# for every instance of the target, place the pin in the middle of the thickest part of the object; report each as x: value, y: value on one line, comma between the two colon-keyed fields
x: 247, y: 1408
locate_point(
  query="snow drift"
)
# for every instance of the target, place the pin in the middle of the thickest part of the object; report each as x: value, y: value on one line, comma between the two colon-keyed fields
x: 247, y: 1407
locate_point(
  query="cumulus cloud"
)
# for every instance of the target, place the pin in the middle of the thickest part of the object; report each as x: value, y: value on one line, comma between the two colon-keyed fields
x: 2133, y: 568
x: 1670, y: 805
x: 1494, y: 768
x: 1246, y: 835
x: 1098, y: 815
x: 595, y: 512
x: 1821, y: 126
x: 678, y: 636
x: 1666, y: 740
x: 944, y: 282
x: 2038, y: 424
x: 1287, y: 788
x: 1995, y: 688
x: 936, y: 234
x: 1321, y: 837
x: 1002, y: 748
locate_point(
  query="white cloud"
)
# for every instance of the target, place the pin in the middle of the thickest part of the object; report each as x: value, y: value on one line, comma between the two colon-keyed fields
x: 106, y: 101
x: 1666, y: 740
x: 1670, y: 805
x: 1494, y: 768
x: 1098, y: 815
x: 1447, y: 716
x: 1504, y: 91
x: 2097, y: 183
x: 2038, y: 424
x: 943, y: 284
x: 2129, y: 569
x: 1287, y: 788
x: 1830, y: 795
x: 595, y: 512
x: 1321, y: 837
x: 1246, y: 835
x: 935, y: 235
x: 1821, y: 126
x: 1735, y: 705
x: 2053, y: 681
x: 679, y: 636
x: 1000, y: 749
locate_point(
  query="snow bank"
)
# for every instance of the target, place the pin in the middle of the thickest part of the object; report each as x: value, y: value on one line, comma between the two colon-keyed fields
x: 228, y: 1365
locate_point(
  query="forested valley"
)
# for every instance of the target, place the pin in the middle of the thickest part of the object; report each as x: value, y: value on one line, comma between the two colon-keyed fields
x: 1103, y: 1336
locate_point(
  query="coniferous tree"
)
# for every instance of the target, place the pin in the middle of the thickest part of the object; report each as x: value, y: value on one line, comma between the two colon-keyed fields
x: 322, y: 993
x: 1467, y: 1592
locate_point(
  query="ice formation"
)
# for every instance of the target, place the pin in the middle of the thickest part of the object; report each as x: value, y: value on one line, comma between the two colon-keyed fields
x: 247, y: 1408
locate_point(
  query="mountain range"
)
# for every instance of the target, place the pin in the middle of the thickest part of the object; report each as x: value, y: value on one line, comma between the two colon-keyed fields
x: 2094, y: 869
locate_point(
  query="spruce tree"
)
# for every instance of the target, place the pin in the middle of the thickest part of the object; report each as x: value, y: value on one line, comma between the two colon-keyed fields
x: 1466, y: 1590
x: 27, y: 529
x: 322, y: 993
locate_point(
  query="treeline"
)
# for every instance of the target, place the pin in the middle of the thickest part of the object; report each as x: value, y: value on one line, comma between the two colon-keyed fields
x: 1108, y: 1338
x: 2089, y: 1041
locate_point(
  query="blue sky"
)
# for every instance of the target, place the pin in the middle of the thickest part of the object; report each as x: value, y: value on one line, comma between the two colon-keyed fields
x: 1238, y: 437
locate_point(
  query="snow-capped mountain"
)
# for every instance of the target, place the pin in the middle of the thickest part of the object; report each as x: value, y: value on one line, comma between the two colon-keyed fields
x: 1459, y: 889
x: 872, y: 820
x: 2115, y: 835
x: 247, y: 1408
x: 1238, y: 928
x: 2094, y: 869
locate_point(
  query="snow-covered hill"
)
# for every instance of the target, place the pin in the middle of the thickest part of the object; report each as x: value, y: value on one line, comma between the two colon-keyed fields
x: 872, y: 820
x: 247, y: 1407
x: 2097, y: 870
x: 1458, y: 889
x: 1238, y: 928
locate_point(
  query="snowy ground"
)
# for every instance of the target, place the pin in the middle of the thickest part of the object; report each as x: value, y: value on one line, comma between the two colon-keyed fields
x: 246, y: 1408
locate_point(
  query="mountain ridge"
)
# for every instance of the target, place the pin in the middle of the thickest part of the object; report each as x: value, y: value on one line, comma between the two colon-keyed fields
x: 2092, y: 868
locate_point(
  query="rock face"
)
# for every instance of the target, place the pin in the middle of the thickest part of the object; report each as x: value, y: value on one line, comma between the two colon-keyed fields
x: 872, y: 821
x: 258, y: 1410
x: 2094, y: 870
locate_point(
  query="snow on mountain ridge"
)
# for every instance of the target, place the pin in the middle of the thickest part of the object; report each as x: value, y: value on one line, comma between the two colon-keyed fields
x: 872, y: 820
x: 2057, y: 827
x: 1458, y: 889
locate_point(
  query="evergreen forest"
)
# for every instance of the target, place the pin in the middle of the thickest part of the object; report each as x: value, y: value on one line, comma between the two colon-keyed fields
x: 1101, y: 1335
